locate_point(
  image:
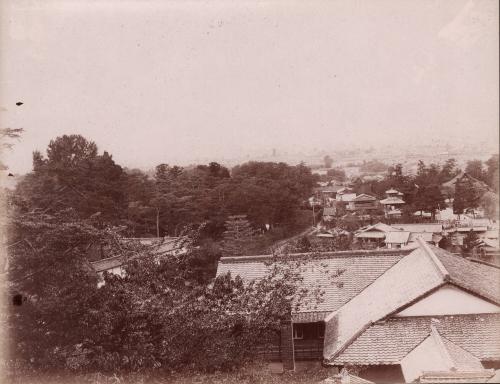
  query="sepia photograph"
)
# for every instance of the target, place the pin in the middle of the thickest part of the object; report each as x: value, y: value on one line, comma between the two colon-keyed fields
x: 249, y: 192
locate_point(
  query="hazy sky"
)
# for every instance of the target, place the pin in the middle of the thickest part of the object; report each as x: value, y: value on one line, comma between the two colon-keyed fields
x: 174, y: 81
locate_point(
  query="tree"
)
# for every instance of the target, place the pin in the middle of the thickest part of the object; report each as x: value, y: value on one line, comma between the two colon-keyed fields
x: 470, y: 241
x: 48, y: 267
x: 429, y: 198
x: 475, y: 169
x: 449, y: 170
x: 492, y: 172
x: 238, y: 233
x: 466, y: 195
x: 337, y: 174
x: 74, y: 175
x: 490, y: 203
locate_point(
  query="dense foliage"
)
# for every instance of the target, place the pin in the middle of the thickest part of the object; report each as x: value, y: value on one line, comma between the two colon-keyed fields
x: 166, y: 313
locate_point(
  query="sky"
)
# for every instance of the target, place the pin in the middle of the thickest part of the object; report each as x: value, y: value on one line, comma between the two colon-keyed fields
x: 177, y: 81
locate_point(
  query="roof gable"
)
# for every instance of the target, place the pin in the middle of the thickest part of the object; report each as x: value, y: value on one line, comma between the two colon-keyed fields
x: 389, y: 341
x: 406, y: 281
x: 437, y: 354
x: 380, y: 227
x: 364, y: 197
x: 421, y: 272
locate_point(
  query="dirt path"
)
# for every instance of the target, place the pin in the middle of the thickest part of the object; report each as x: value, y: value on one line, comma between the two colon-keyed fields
x: 279, y: 246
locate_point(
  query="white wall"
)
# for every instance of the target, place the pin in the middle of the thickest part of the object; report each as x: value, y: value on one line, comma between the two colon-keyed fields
x: 449, y: 300
x: 424, y: 357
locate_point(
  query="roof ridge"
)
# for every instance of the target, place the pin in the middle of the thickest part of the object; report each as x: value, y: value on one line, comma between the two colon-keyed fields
x: 430, y: 253
x: 442, y: 348
x: 319, y: 255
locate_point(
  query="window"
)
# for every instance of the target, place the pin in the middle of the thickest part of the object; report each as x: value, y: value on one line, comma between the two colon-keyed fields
x: 298, y: 331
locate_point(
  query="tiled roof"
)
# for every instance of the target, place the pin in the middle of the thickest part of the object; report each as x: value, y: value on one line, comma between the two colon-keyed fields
x: 474, y: 229
x: 387, y: 342
x: 378, y: 230
x: 423, y: 270
x: 359, y: 269
x: 106, y: 264
x: 332, y: 188
x: 478, y: 278
x: 397, y: 237
x: 392, y: 190
x: 427, y: 236
x: 461, y: 359
x: 364, y: 197
x: 434, y: 228
x: 392, y: 200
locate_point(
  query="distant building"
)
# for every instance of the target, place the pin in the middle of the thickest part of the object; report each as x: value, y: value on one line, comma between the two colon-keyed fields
x: 363, y: 202
x: 345, y: 194
x: 392, y: 203
x: 399, y: 235
x: 162, y: 246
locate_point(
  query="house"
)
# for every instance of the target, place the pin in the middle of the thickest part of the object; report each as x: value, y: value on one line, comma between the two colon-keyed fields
x: 392, y: 203
x: 398, y: 316
x: 374, y: 234
x: 302, y: 336
x: 327, y: 192
x: 399, y: 235
x: 345, y: 194
x: 363, y: 202
x: 162, y: 246
x: 429, y: 314
x: 488, y: 250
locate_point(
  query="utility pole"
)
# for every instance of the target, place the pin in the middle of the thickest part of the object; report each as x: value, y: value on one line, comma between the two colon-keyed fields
x: 314, y: 216
x: 157, y: 222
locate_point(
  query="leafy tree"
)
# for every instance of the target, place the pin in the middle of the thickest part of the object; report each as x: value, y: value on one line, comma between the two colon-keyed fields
x: 475, y: 169
x: 429, y: 198
x: 48, y: 267
x: 445, y: 243
x: 489, y: 201
x: 336, y: 173
x: 470, y: 241
x: 492, y: 172
x: 238, y: 233
x: 449, y: 170
x: 466, y: 195
x: 74, y: 175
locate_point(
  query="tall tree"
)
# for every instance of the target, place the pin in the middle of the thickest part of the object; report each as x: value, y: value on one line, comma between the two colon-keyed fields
x: 238, y: 233
x: 466, y: 195
x: 449, y: 170
x: 475, y: 169
x: 492, y: 172
x: 74, y: 175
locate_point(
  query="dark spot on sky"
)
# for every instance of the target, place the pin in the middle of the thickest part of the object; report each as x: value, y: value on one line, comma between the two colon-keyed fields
x: 17, y: 300
x: 10, y: 174
x: 19, y: 103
